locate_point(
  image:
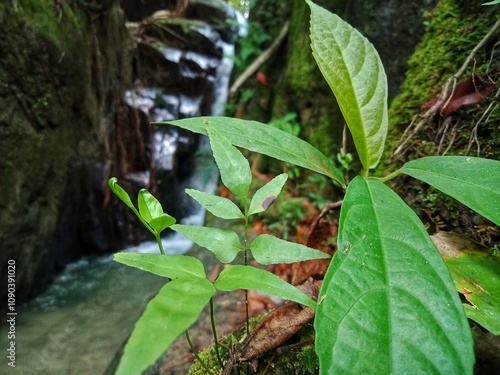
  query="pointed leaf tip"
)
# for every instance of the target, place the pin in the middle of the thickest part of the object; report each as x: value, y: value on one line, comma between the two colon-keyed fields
x: 354, y: 72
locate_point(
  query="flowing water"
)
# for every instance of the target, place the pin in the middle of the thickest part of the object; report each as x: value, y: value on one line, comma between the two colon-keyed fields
x: 80, y: 323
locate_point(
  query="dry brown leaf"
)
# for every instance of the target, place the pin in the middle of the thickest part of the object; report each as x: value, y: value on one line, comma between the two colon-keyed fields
x: 276, y: 328
x: 470, y: 91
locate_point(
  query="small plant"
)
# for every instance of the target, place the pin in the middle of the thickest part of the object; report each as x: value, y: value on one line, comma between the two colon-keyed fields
x: 387, y: 303
x: 181, y: 301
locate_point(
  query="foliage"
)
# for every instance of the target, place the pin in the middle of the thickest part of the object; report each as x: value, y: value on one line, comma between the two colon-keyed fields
x: 250, y: 47
x: 476, y: 276
x: 387, y: 301
x: 163, y: 320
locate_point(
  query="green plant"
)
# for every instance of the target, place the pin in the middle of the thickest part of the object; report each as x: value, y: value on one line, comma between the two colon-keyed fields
x: 180, y: 301
x: 387, y: 303
x: 250, y: 47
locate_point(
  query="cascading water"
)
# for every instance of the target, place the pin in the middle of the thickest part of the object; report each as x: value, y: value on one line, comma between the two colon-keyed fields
x: 81, y: 321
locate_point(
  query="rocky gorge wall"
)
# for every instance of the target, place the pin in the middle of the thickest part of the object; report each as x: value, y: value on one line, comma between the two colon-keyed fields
x: 78, y: 91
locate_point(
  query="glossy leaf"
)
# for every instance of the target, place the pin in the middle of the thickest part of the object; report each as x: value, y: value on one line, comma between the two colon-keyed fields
x: 388, y: 303
x: 267, y: 194
x: 162, y: 222
x: 251, y: 278
x: 149, y: 207
x: 354, y: 71
x: 268, y: 249
x: 171, y: 312
x: 171, y: 266
x: 234, y: 169
x: 267, y: 140
x: 477, y: 277
x: 473, y: 181
x: 223, y: 243
x: 218, y: 206
x: 119, y: 192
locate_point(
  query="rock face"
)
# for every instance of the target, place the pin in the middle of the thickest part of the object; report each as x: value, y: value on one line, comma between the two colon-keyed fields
x: 60, y: 76
x: 77, y: 92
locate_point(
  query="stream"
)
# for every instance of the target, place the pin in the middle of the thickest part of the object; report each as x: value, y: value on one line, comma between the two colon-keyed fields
x: 79, y: 324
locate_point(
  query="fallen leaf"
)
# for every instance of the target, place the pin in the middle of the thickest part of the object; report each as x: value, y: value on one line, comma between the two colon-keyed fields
x: 475, y: 270
x: 468, y: 92
x: 276, y: 328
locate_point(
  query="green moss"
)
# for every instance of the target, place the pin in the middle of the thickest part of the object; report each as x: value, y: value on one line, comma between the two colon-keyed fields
x: 300, y: 361
x: 42, y: 17
x: 320, y: 136
x: 450, y: 36
x: 301, y: 69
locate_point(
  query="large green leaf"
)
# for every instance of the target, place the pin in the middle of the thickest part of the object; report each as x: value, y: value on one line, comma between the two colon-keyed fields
x: 352, y: 68
x: 267, y: 194
x: 388, y: 304
x: 267, y: 140
x: 171, y: 312
x: 251, y: 278
x: 268, y: 249
x: 223, y: 243
x: 172, y: 266
x: 218, y: 206
x: 234, y: 169
x: 473, y: 181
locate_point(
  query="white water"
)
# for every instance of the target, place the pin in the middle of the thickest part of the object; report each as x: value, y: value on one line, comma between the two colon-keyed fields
x: 79, y: 324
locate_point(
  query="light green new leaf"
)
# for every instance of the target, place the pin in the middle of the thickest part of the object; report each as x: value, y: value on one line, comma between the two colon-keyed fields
x: 268, y: 249
x: 354, y: 71
x: 162, y: 222
x: 473, y: 181
x: 266, y: 139
x: 267, y: 194
x: 477, y: 277
x: 388, y: 303
x: 218, y: 206
x: 251, y: 278
x: 234, y: 169
x: 171, y: 266
x: 149, y: 207
x: 171, y: 312
x: 119, y: 192
x: 223, y: 243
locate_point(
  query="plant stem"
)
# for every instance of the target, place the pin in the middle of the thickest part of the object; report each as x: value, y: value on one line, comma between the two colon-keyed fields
x: 391, y: 175
x: 246, y: 262
x: 196, y: 353
x: 216, y: 340
x: 160, y: 244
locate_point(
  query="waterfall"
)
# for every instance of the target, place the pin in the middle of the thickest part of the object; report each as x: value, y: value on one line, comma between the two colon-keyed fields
x: 81, y: 321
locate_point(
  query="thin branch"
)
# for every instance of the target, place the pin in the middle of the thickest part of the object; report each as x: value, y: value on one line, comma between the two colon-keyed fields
x: 260, y: 60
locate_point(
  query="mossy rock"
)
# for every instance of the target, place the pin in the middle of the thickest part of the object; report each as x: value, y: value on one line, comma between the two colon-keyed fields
x: 299, y: 361
x: 454, y: 28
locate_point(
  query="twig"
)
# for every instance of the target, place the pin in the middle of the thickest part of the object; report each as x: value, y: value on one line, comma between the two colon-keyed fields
x: 473, y: 135
x: 260, y: 60
x: 446, y: 94
x: 453, y: 135
x: 324, y: 211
